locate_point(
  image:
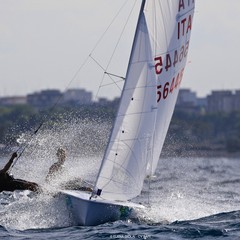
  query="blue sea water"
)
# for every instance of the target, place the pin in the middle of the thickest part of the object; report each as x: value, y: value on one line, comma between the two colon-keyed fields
x: 189, y: 198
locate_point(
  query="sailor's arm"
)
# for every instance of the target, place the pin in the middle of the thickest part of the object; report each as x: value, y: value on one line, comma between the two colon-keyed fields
x: 8, y: 165
x: 52, y: 171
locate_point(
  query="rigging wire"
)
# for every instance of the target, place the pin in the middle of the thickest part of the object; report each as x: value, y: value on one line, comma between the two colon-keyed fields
x: 111, y: 23
x: 114, y: 75
x: 109, y: 74
x: 22, y: 149
x: 114, y: 51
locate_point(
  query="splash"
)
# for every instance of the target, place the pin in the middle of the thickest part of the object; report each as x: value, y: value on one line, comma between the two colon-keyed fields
x: 84, y: 142
x: 25, y: 211
x: 183, y: 188
x: 188, y: 189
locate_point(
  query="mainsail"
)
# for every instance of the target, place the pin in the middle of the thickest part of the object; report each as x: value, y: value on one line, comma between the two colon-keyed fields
x: 155, y: 71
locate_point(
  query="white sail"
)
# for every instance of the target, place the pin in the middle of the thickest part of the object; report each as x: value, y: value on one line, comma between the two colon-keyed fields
x: 151, y: 87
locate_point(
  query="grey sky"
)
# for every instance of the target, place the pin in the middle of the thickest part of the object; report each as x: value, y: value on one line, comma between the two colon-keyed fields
x: 44, y: 42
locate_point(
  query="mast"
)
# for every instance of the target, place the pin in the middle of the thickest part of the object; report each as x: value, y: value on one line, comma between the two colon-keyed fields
x: 95, y: 190
x: 135, y: 36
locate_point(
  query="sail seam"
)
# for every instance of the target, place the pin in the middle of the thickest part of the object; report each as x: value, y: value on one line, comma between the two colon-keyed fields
x: 114, y: 180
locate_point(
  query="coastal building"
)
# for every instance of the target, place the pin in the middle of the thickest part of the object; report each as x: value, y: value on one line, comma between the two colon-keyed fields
x: 45, y: 98
x: 188, y: 102
x: 15, y: 100
x: 224, y: 101
x: 236, y: 101
x: 103, y: 101
x: 218, y: 101
x: 186, y: 98
x: 77, y: 97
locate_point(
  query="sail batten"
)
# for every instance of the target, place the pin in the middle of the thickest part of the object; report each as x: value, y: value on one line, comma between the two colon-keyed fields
x: 154, y: 74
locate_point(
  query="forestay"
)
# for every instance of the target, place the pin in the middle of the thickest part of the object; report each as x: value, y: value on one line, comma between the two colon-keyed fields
x: 155, y: 71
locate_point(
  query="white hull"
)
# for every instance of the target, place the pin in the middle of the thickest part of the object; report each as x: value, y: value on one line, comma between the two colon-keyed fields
x: 93, y: 212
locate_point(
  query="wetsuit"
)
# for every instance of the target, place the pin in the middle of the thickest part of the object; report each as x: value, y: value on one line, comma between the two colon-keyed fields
x: 8, y: 183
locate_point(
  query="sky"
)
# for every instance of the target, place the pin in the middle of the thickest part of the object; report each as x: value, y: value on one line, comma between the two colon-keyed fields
x: 43, y: 44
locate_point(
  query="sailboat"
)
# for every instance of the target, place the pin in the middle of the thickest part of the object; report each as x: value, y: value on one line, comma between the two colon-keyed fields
x: 155, y: 71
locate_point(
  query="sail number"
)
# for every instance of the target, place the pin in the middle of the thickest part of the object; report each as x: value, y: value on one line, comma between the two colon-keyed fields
x: 164, y: 90
x: 171, y: 59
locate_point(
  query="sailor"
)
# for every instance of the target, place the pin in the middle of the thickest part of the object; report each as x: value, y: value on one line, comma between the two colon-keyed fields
x: 9, y: 183
x: 58, y: 167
